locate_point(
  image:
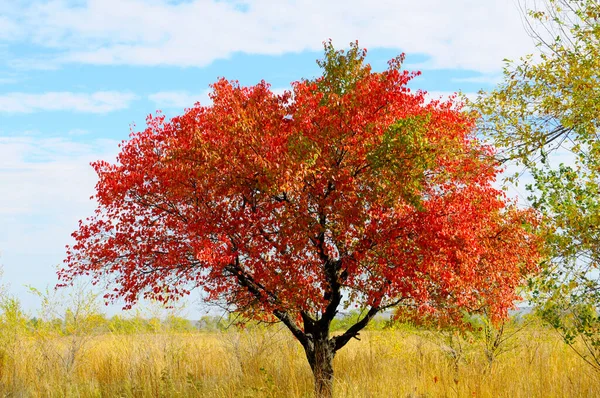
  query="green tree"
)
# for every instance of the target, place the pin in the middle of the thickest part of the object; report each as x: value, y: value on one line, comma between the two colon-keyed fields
x: 545, y: 116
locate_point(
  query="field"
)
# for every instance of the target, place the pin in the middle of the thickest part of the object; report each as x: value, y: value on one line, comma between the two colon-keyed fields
x: 399, y: 361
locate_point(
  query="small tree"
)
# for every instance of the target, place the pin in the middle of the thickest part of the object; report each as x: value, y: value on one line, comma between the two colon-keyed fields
x: 547, y: 104
x: 499, y: 338
x: 349, y: 190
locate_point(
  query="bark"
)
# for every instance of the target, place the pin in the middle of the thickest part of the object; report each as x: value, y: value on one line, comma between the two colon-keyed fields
x: 320, y: 353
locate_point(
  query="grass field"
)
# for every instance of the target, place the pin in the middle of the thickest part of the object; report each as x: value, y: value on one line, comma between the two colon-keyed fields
x: 268, y: 362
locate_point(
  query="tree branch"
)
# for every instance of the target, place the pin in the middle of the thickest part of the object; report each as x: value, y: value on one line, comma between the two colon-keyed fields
x: 341, y: 340
x: 287, y: 320
x: 257, y: 290
x: 352, y: 332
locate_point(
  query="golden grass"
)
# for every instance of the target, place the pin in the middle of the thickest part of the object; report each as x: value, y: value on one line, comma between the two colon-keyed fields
x: 270, y: 363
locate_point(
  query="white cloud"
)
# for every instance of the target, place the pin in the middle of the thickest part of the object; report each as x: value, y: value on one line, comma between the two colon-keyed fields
x: 46, y: 186
x: 178, y: 99
x: 48, y: 176
x: 98, y: 102
x: 8, y: 28
x: 468, y: 34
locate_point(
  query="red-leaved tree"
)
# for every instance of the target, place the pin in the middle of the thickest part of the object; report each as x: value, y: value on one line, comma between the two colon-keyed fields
x: 349, y: 190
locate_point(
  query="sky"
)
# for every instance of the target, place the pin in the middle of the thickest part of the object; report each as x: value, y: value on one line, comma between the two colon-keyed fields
x: 76, y: 76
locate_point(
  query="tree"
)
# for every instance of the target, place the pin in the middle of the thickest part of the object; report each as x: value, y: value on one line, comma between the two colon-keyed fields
x: 545, y: 115
x: 348, y: 190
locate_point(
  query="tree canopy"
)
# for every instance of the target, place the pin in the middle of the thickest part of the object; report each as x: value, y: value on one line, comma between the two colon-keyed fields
x: 348, y: 190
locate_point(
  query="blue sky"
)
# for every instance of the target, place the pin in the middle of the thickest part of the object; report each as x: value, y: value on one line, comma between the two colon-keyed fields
x: 76, y: 75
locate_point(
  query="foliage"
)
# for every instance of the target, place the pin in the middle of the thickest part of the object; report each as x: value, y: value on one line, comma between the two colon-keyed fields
x: 349, y: 190
x: 551, y: 98
x: 546, y: 115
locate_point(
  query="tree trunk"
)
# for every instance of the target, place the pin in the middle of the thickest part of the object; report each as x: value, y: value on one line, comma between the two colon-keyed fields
x: 320, y: 356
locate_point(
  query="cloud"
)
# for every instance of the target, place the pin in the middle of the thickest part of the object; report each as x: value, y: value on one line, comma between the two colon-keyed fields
x: 48, y: 176
x: 179, y: 99
x: 46, y: 188
x: 98, y: 102
x: 466, y: 34
x: 8, y: 28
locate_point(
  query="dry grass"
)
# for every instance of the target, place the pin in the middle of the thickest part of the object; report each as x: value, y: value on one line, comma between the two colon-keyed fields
x: 269, y: 363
